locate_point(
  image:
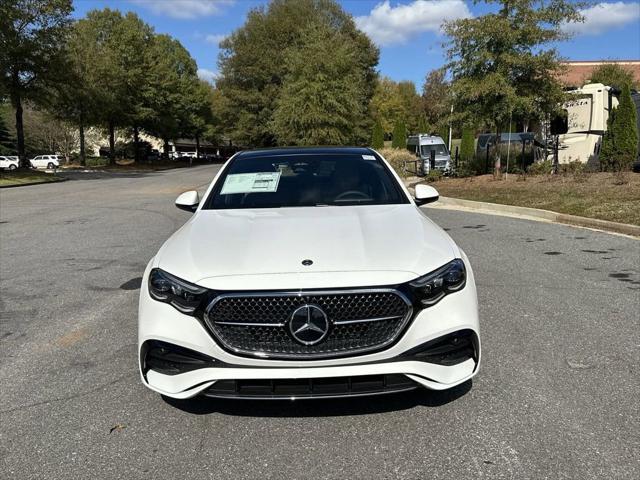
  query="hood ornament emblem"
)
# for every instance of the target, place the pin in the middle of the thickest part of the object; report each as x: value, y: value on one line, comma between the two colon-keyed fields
x: 306, y: 262
x: 309, y: 324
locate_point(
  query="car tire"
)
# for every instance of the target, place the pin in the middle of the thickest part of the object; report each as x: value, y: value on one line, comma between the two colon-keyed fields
x: 12, y: 167
x: 50, y: 166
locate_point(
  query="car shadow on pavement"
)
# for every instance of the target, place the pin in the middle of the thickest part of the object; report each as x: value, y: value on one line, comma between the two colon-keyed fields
x: 329, y: 407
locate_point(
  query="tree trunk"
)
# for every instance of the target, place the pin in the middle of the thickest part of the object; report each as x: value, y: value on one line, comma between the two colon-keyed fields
x: 198, y: 146
x: 17, y: 103
x: 497, y: 166
x: 112, y: 144
x: 136, y: 140
x: 83, y: 158
x: 165, y: 148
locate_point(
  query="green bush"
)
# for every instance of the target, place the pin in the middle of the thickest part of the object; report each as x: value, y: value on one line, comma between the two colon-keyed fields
x: 467, y: 145
x: 541, y: 168
x: 620, y: 142
x: 399, y: 135
x: 377, y: 136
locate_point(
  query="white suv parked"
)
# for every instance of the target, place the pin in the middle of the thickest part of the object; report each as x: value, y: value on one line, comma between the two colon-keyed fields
x: 9, y: 163
x: 45, y: 161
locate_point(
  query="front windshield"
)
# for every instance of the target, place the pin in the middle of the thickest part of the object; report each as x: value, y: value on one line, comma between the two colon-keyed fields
x: 301, y: 180
x: 439, y: 148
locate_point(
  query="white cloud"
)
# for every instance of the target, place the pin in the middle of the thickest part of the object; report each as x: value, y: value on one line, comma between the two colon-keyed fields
x: 387, y: 25
x: 185, y: 9
x: 207, y: 75
x: 604, y: 16
x: 215, y: 39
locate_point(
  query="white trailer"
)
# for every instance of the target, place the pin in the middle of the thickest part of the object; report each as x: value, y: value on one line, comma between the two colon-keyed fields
x: 587, y: 116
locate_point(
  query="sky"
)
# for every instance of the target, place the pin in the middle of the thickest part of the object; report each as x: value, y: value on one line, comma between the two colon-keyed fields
x: 406, y: 31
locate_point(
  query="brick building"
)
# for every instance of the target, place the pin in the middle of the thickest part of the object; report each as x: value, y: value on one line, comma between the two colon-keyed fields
x: 577, y: 72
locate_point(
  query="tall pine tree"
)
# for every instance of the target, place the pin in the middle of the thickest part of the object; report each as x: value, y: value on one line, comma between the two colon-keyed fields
x: 399, y: 135
x: 377, y: 137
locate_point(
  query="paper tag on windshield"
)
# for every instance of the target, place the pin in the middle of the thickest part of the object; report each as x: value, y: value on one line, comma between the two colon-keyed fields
x: 260, y: 182
x: 368, y: 157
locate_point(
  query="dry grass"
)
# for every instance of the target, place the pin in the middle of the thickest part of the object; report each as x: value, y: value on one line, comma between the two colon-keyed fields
x: 605, y: 196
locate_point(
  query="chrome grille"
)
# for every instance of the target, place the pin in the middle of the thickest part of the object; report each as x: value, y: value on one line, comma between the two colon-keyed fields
x: 256, y: 324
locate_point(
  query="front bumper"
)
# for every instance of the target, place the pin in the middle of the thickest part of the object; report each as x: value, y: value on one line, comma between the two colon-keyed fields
x: 454, y: 313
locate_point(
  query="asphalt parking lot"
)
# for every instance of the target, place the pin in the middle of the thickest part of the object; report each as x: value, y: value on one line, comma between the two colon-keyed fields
x: 557, y: 395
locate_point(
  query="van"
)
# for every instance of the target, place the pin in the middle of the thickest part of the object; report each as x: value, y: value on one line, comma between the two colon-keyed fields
x: 422, y: 145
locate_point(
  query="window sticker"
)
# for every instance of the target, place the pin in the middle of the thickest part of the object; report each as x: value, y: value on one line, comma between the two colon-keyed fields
x: 368, y: 157
x: 259, y: 182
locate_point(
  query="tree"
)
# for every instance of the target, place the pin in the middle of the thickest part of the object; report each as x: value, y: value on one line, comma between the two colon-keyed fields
x: 256, y: 59
x: 625, y: 130
x: 119, y: 45
x: 399, y: 135
x: 32, y: 39
x: 7, y: 141
x: 393, y: 100
x: 620, y: 142
x: 377, y: 136
x: 422, y: 126
x: 173, y: 94
x: 76, y: 99
x: 319, y: 102
x: 500, y: 66
x: 387, y: 104
x: 467, y: 145
x: 607, y: 148
x: 436, y: 100
x: 611, y: 74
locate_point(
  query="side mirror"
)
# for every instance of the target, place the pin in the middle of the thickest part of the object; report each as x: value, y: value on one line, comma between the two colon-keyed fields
x: 188, y: 201
x: 425, y: 194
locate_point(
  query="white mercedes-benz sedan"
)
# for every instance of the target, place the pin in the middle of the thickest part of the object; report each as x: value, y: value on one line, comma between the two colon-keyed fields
x: 305, y: 273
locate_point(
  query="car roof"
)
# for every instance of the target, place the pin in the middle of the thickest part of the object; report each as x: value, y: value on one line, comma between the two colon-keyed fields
x: 282, y: 151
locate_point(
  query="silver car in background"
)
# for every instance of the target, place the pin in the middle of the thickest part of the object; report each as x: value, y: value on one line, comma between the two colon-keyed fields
x: 422, y: 145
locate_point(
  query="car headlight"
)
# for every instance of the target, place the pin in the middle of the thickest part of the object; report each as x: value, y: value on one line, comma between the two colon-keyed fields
x: 184, y: 296
x: 431, y: 288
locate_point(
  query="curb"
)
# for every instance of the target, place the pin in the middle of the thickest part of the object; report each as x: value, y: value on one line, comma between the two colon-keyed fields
x: 61, y: 179
x: 535, y: 214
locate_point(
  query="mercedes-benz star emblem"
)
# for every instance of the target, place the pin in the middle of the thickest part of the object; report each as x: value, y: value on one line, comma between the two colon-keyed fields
x: 309, y: 324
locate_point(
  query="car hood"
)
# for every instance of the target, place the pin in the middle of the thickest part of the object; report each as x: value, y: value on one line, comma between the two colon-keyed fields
x: 265, y: 248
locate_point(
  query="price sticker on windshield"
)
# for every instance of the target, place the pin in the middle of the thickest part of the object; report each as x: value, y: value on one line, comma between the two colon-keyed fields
x: 259, y: 182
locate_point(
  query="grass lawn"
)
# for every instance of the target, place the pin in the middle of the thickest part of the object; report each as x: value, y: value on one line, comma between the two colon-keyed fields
x: 25, y: 177
x: 594, y: 195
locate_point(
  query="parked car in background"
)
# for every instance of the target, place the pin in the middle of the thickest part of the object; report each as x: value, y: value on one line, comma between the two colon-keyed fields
x: 422, y: 145
x: 45, y: 161
x: 9, y: 163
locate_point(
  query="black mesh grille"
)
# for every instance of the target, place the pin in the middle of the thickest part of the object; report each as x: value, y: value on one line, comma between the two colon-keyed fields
x: 380, y: 317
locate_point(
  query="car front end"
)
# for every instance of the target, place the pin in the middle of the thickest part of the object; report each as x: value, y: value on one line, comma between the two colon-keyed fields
x: 265, y: 305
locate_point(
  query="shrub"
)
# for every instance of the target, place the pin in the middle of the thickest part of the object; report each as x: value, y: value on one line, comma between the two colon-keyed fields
x: 467, y: 145
x: 399, y: 135
x: 541, y: 168
x: 625, y: 131
x: 397, y: 158
x: 575, y: 166
x: 434, y: 176
x: 377, y: 136
x: 620, y: 141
